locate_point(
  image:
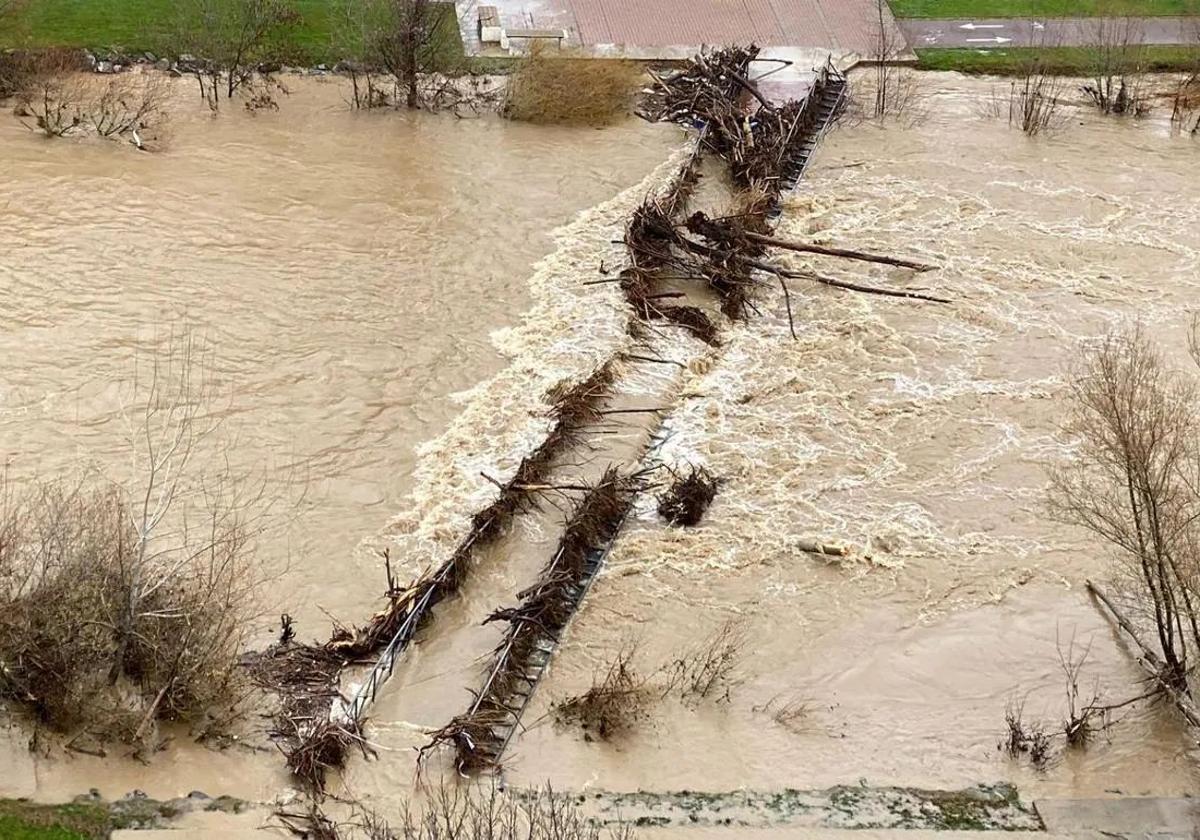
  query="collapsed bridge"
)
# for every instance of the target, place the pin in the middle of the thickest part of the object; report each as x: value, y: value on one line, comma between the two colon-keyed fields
x: 714, y: 260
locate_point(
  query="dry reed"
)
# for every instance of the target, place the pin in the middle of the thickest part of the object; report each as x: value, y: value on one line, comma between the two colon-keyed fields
x: 550, y: 86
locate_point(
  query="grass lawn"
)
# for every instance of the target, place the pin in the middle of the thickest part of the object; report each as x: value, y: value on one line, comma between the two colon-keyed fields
x: 1068, y: 61
x: 22, y: 820
x: 136, y: 26
x: 1040, y: 8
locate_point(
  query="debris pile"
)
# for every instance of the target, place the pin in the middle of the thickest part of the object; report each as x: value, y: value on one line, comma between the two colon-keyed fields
x: 312, y: 738
x: 534, y: 625
x: 688, y: 497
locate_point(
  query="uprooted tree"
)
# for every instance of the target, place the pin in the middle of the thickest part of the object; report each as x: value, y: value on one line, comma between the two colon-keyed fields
x: 1135, y: 483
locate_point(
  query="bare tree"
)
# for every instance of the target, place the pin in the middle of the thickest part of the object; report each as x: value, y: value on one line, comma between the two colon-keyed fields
x: 233, y: 39
x: 414, y: 46
x: 1117, y: 66
x: 1135, y: 482
x: 125, y: 604
x: 407, y: 45
x: 896, y: 90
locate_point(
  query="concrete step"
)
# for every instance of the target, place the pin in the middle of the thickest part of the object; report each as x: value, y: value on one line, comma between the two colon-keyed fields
x: 1134, y: 818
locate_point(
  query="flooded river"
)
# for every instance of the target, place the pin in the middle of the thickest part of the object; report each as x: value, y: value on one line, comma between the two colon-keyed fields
x: 347, y: 270
x: 352, y: 271
x: 917, y: 436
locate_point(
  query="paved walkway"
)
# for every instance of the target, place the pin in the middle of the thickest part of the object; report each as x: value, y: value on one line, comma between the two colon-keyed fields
x: 984, y: 33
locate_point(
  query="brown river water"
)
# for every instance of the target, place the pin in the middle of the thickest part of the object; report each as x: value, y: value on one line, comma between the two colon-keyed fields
x: 352, y: 273
x: 348, y: 272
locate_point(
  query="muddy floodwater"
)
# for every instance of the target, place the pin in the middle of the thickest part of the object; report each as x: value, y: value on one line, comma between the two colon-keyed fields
x: 917, y: 436
x: 358, y: 277
x: 347, y: 270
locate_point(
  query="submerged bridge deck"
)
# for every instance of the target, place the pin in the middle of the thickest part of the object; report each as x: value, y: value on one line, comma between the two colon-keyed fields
x: 831, y: 90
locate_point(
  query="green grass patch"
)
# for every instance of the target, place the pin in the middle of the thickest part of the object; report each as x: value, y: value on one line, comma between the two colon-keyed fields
x: 1040, y: 8
x: 1066, y: 61
x: 24, y: 820
x: 137, y: 26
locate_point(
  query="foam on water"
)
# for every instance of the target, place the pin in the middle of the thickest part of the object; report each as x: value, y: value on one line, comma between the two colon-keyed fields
x: 912, y: 432
x: 569, y: 331
x: 918, y: 436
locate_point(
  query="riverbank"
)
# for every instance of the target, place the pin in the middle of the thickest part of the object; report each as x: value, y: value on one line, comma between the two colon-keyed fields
x: 133, y: 28
x: 91, y: 817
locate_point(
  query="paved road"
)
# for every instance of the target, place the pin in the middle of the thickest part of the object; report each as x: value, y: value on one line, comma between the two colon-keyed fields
x: 984, y: 33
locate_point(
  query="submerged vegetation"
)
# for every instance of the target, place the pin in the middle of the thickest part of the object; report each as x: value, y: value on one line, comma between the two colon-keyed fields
x: 1133, y: 483
x: 125, y: 605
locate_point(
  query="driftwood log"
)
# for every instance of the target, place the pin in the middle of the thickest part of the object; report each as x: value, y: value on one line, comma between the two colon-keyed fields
x: 1150, y: 660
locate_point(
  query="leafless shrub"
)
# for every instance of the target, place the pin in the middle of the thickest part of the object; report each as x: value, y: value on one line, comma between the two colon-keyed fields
x: 123, y: 605
x: 1185, y: 104
x: 59, y: 102
x: 549, y: 86
x: 1083, y: 717
x: 794, y: 715
x: 453, y: 812
x: 1033, y: 102
x: 896, y: 90
x: 233, y: 39
x: 131, y: 108
x: 262, y: 92
x: 614, y: 703
x: 1135, y: 481
x: 1084, y: 714
x: 1035, y: 94
x: 369, y: 88
x: 1023, y: 738
x: 708, y: 670
x: 1117, y: 66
